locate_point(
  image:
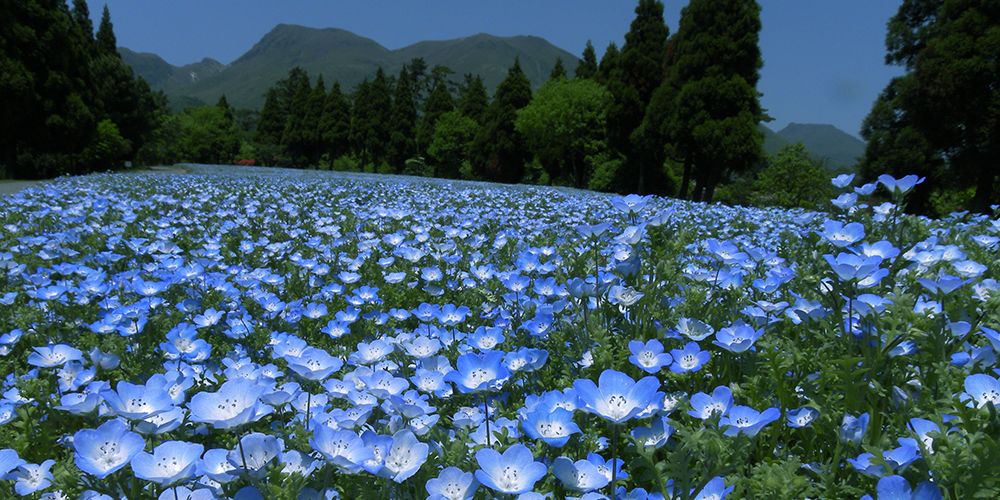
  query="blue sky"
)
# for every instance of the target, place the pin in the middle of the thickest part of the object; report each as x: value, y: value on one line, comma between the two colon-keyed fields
x: 823, y: 59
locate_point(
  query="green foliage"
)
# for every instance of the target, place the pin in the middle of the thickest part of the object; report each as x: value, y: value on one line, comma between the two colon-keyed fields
x: 606, y: 171
x: 563, y: 125
x: 792, y: 180
x: 499, y: 153
x: 450, y: 145
x: 474, y: 100
x: 335, y: 123
x: 715, y: 66
x: 588, y: 65
x: 204, y: 135
x: 402, y: 145
x: 946, y: 103
x: 59, y: 83
x: 108, y: 147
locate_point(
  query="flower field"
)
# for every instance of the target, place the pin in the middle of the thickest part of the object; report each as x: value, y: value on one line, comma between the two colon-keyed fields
x: 260, y: 333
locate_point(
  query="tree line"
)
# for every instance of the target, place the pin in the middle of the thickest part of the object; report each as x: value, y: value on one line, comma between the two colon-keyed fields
x: 70, y: 104
x: 666, y: 113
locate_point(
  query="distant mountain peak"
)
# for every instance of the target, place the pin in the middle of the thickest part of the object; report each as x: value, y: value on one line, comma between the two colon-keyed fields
x: 340, y: 55
x: 841, y: 148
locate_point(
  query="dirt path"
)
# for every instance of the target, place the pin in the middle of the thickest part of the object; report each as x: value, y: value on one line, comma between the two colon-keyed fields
x: 9, y: 188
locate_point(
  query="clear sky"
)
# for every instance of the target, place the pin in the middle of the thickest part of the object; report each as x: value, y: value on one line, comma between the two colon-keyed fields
x: 823, y: 59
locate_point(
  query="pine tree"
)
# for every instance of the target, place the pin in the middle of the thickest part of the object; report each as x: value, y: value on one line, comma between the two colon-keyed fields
x: 271, y: 124
x: 558, y: 70
x: 361, y: 122
x: 107, y: 43
x: 335, y: 124
x: 404, y: 122
x: 297, y: 134
x: 439, y: 103
x: 499, y: 151
x: 474, y: 99
x: 715, y: 67
x: 940, y: 119
x: 379, y: 116
x: 639, y: 73
x: 588, y: 65
x: 227, y: 110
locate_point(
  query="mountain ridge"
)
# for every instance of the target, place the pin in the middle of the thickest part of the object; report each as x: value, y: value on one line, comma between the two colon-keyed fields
x: 341, y: 55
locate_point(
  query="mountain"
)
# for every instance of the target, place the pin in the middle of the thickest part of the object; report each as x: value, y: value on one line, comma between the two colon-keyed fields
x: 841, y: 149
x: 162, y: 75
x: 344, y: 56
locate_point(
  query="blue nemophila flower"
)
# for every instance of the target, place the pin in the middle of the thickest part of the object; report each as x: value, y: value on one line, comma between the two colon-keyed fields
x: 840, y: 235
x: 137, y: 402
x: 617, y: 398
x: 405, y: 456
x: 845, y: 200
x: 802, y: 417
x: 486, y: 338
x: 748, y: 420
x: 369, y: 353
x: 649, y: 356
x: 255, y: 452
x: 982, y: 389
x: 853, y: 267
x: 581, y: 475
x: 452, y: 483
x: 694, y: 329
x: 314, y: 364
x: 176, y: 493
x: 898, y: 488
x: 478, y: 372
x: 343, y: 447
x: 237, y: 402
x: 54, y: 355
x: 922, y: 428
x: 170, y: 462
x: 104, y: 450
x: 9, y: 461
x: 715, y: 490
x: 688, y: 359
x: 842, y: 180
x: 944, y: 285
x: 737, y: 338
x: 852, y: 429
x: 30, y: 478
x: 900, y: 186
x: 512, y: 473
x: 656, y: 435
x: 554, y: 427
x: 721, y: 401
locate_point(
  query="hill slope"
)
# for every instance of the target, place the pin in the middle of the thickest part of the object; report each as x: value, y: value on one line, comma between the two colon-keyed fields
x: 841, y: 148
x: 341, y: 55
x: 162, y: 75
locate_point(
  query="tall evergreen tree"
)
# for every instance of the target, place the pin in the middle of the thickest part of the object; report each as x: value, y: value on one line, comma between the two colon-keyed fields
x: 439, y: 103
x: 335, y: 123
x: 474, y: 100
x: 361, y: 121
x: 297, y: 135
x: 271, y: 123
x: 588, y: 65
x: 499, y: 150
x: 558, y: 70
x: 227, y: 110
x: 47, y: 109
x: 379, y: 118
x: 402, y: 143
x: 107, y: 43
x: 715, y: 67
x: 946, y: 105
x: 640, y: 72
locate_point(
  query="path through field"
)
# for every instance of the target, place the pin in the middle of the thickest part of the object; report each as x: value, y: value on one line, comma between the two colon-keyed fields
x: 8, y: 188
